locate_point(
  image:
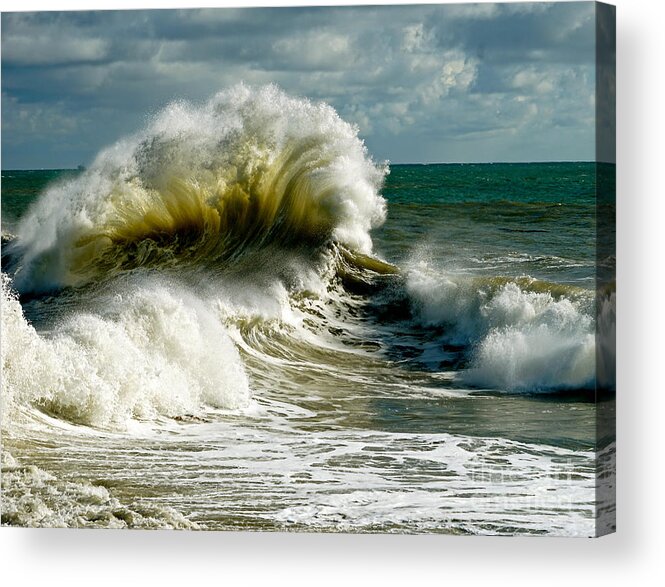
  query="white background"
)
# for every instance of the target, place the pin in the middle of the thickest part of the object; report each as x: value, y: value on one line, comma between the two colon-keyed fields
x: 632, y: 556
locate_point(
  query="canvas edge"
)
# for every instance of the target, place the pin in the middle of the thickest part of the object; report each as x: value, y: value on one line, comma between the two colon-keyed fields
x: 605, y: 150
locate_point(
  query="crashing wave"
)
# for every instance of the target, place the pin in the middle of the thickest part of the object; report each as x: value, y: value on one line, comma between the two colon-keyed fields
x: 247, y: 170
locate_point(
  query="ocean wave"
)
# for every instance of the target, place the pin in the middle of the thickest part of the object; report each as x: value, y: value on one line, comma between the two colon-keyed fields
x: 249, y: 169
x: 523, y: 335
x: 269, y: 200
x: 144, y: 351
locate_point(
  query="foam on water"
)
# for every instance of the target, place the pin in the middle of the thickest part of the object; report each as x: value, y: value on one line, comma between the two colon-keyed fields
x: 524, y: 337
x: 264, y: 471
x: 153, y: 350
x: 34, y: 498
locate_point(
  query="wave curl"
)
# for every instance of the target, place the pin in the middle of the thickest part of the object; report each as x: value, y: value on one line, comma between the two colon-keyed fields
x: 249, y: 169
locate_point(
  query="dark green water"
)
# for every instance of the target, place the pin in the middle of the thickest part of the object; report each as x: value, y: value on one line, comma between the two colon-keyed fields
x: 21, y: 187
x: 512, y: 219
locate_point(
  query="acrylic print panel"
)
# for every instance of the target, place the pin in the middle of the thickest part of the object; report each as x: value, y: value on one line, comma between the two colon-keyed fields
x: 336, y: 269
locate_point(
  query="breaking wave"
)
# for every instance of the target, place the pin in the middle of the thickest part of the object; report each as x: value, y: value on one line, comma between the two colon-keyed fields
x: 153, y: 351
x: 523, y: 334
x: 246, y: 171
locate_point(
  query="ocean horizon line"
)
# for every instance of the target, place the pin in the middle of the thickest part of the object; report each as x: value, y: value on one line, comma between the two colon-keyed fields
x: 401, y: 163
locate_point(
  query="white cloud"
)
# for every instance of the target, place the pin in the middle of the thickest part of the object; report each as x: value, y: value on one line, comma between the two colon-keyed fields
x: 318, y: 49
x: 23, y: 122
x: 24, y: 50
x: 535, y: 81
x: 458, y: 72
x: 415, y: 38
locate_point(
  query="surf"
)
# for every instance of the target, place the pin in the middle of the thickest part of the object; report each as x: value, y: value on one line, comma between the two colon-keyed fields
x: 207, y: 184
x: 519, y: 334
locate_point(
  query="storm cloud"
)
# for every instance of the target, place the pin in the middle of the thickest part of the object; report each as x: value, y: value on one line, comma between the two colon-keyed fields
x: 467, y: 82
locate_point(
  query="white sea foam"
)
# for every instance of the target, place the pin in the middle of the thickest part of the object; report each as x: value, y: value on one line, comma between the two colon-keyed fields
x: 522, y: 340
x: 155, y: 350
x: 359, y: 480
x: 34, y: 498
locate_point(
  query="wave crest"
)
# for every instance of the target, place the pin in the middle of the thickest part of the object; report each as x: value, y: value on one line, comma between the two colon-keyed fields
x: 248, y: 169
x: 525, y: 335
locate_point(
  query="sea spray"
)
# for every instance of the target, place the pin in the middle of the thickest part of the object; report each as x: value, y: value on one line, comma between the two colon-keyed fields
x: 248, y: 169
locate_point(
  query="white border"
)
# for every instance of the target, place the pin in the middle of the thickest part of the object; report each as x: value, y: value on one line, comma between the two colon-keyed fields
x: 632, y: 556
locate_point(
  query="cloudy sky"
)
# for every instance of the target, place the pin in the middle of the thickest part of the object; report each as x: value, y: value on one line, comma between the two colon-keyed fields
x: 446, y: 83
